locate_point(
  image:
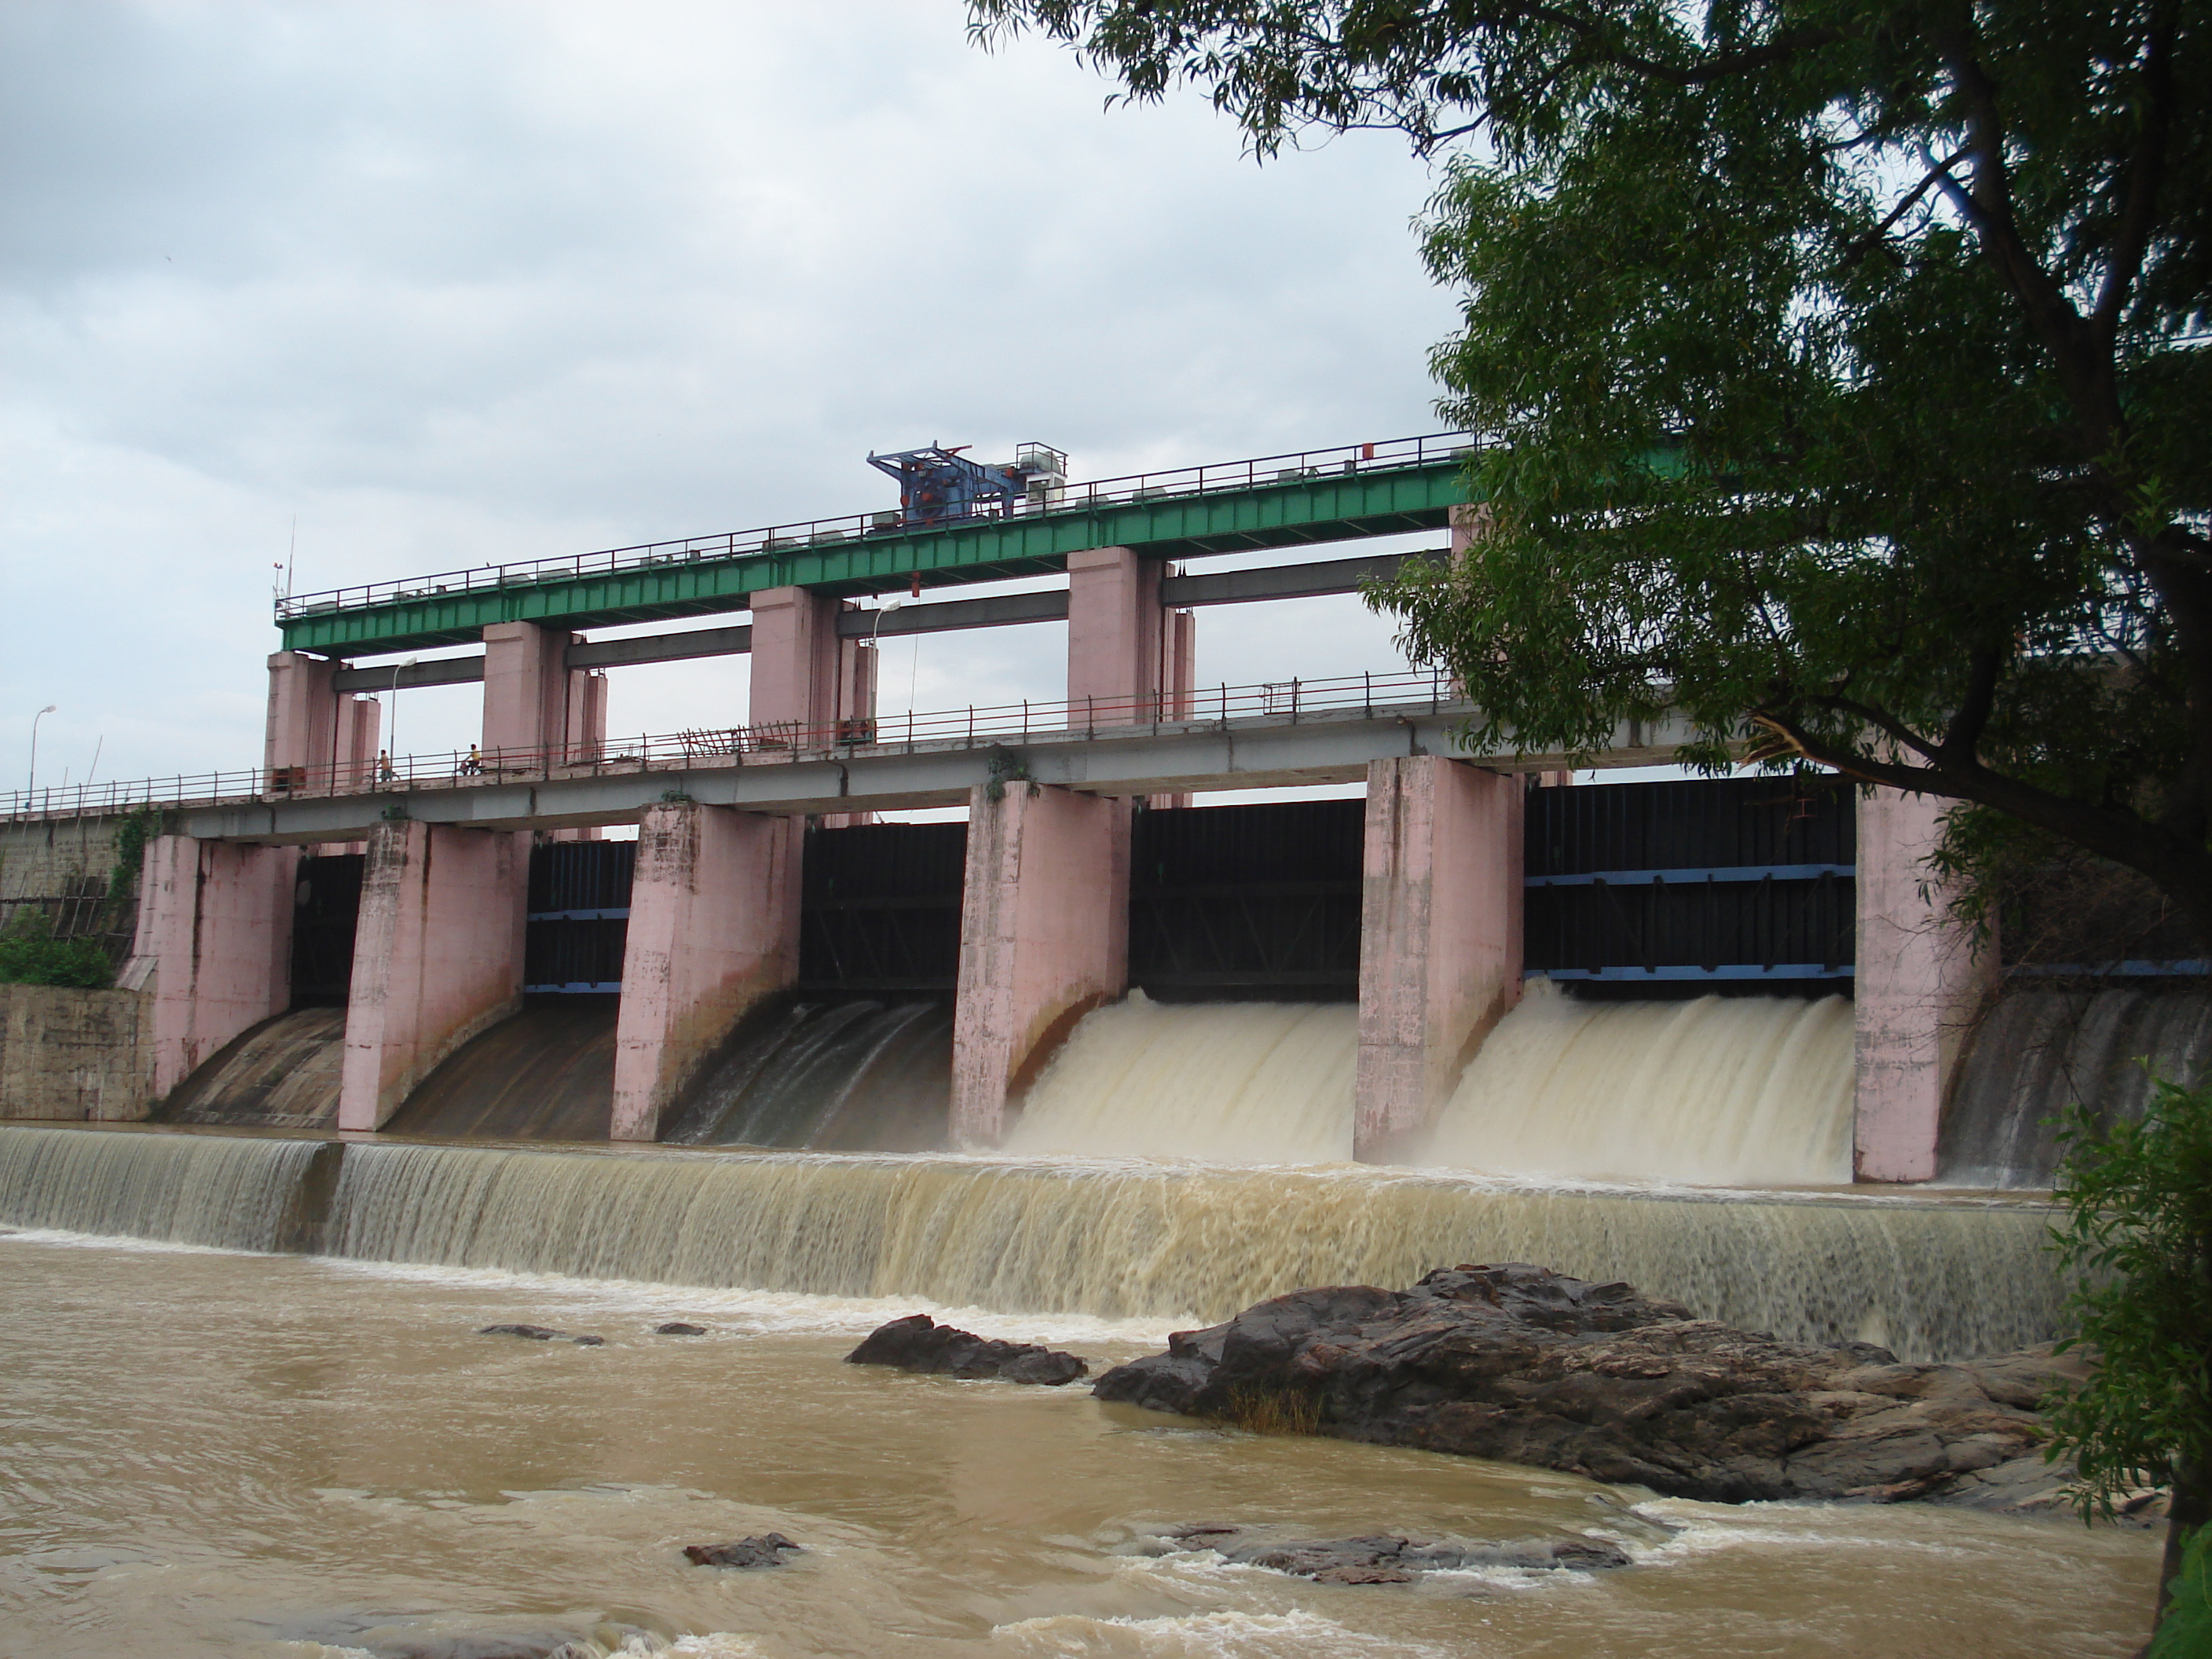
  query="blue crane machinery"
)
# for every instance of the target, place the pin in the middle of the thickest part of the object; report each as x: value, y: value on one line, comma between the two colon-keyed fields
x: 936, y: 484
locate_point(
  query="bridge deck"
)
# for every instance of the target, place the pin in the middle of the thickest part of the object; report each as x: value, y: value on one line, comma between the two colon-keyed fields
x: 1333, y: 746
x: 1314, y: 497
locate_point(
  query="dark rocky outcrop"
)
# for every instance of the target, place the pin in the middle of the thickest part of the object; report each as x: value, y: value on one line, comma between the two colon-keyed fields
x: 679, y: 1327
x: 548, y: 1646
x: 919, y: 1343
x: 765, y: 1551
x: 1386, y: 1558
x: 1524, y: 1366
x: 542, y: 1334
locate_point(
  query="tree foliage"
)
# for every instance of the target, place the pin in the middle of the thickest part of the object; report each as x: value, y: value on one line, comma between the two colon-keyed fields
x: 2138, y: 1235
x: 30, y: 954
x: 1840, y: 369
x: 2185, y: 1633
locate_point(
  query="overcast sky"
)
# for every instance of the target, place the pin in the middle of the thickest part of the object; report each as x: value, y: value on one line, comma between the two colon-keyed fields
x: 459, y: 282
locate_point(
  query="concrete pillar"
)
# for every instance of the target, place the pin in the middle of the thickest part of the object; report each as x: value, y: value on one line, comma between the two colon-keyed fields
x: 437, y: 957
x: 1440, y: 936
x: 809, y: 687
x: 535, y: 706
x: 1115, y: 651
x: 795, y: 664
x: 360, y: 723
x: 1044, y: 938
x: 1469, y: 525
x: 215, y: 927
x: 1179, y: 684
x: 587, y: 715
x: 303, y: 727
x: 1919, y: 984
x: 713, y: 927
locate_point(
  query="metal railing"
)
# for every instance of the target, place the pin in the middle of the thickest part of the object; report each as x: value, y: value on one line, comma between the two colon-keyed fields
x: 816, y: 534
x: 768, y: 744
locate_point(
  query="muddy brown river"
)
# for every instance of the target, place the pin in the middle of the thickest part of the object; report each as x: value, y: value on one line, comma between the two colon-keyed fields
x: 210, y: 1453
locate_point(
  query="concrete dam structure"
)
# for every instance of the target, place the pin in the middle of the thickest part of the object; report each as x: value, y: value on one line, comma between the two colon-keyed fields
x: 1095, y: 1049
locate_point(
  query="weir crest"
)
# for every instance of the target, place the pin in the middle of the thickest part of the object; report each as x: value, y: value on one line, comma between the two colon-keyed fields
x: 1933, y: 1278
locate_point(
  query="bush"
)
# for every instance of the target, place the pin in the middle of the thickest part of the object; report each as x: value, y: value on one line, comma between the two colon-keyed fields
x: 2138, y: 1234
x: 29, y: 955
x: 2185, y: 1633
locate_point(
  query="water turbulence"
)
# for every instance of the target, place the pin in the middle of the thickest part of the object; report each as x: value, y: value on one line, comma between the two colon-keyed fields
x: 1173, y: 1242
x: 2036, y: 1054
x: 281, y: 1074
x: 1720, y: 1090
x: 1262, y: 1082
x: 546, y: 1074
x: 852, y: 1076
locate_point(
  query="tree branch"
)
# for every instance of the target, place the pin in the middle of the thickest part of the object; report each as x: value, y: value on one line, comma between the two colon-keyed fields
x: 1863, y: 245
x: 2146, y: 173
x: 1960, y: 743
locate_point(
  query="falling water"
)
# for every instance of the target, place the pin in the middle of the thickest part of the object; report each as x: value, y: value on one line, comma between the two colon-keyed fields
x: 230, y: 1192
x: 1261, y: 1082
x: 847, y: 1077
x: 546, y: 1074
x: 2037, y: 1052
x: 1170, y: 1242
x: 1720, y: 1090
x: 281, y: 1074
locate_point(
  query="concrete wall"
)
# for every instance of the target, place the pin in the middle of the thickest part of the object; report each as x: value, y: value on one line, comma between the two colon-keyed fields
x: 1921, y: 984
x: 713, y: 927
x: 215, y: 925
x: 78, y: 1055
x: 437, y: 957
x: 1440, y: 936
x: 42, y: 860
x: 1044, y: 938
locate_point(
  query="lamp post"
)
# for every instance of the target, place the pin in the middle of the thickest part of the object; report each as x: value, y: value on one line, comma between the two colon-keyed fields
x: 32, y: 782
x: 392, y: 730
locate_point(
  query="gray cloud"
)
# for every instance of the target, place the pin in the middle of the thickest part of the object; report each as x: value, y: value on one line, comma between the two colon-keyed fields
x: 461, y: 281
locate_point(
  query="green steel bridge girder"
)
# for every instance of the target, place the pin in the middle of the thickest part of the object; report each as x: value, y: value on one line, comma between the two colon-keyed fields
x: 1330, y: 507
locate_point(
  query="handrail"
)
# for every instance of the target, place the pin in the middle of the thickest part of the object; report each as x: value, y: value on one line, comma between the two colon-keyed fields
x: 1292, y: 467
x: 771, y: 743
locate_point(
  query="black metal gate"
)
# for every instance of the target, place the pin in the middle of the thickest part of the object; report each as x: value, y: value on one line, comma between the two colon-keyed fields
x: 578, y: 916
x: 879, y: 907
x: 1730, y: 883
x: 1259, y: 901
x: 325, y: 912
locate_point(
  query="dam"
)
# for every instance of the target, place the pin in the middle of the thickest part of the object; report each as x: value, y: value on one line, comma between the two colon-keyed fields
x: 1480, y: 970
x: 693, y: 1032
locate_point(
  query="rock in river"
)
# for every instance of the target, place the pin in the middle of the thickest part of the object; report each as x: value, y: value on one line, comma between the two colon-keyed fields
x: 1524, y: 1365
x: 765, y: 1551
x: 1387, y: 1558
x: 919, y: 1343
x: 542, y: 1334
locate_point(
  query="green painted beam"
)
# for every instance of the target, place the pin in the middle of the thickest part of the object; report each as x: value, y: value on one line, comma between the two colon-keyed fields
x: 1329, y: 506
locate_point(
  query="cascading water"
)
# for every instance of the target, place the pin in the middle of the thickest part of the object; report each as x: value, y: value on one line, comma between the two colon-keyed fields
x: 1262, y: 1082
x: 1720, y: 1090
x: 849, y: 1077
x: 228, y: 1191
x: 2037, y: 1052
x: 1181, y: 1243
x: 283, y: 1074
x: 546, y: 1074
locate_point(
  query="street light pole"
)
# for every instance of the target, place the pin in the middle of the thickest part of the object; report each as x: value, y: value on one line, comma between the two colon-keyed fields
x: 33, y: 781
x: 391, y: 731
